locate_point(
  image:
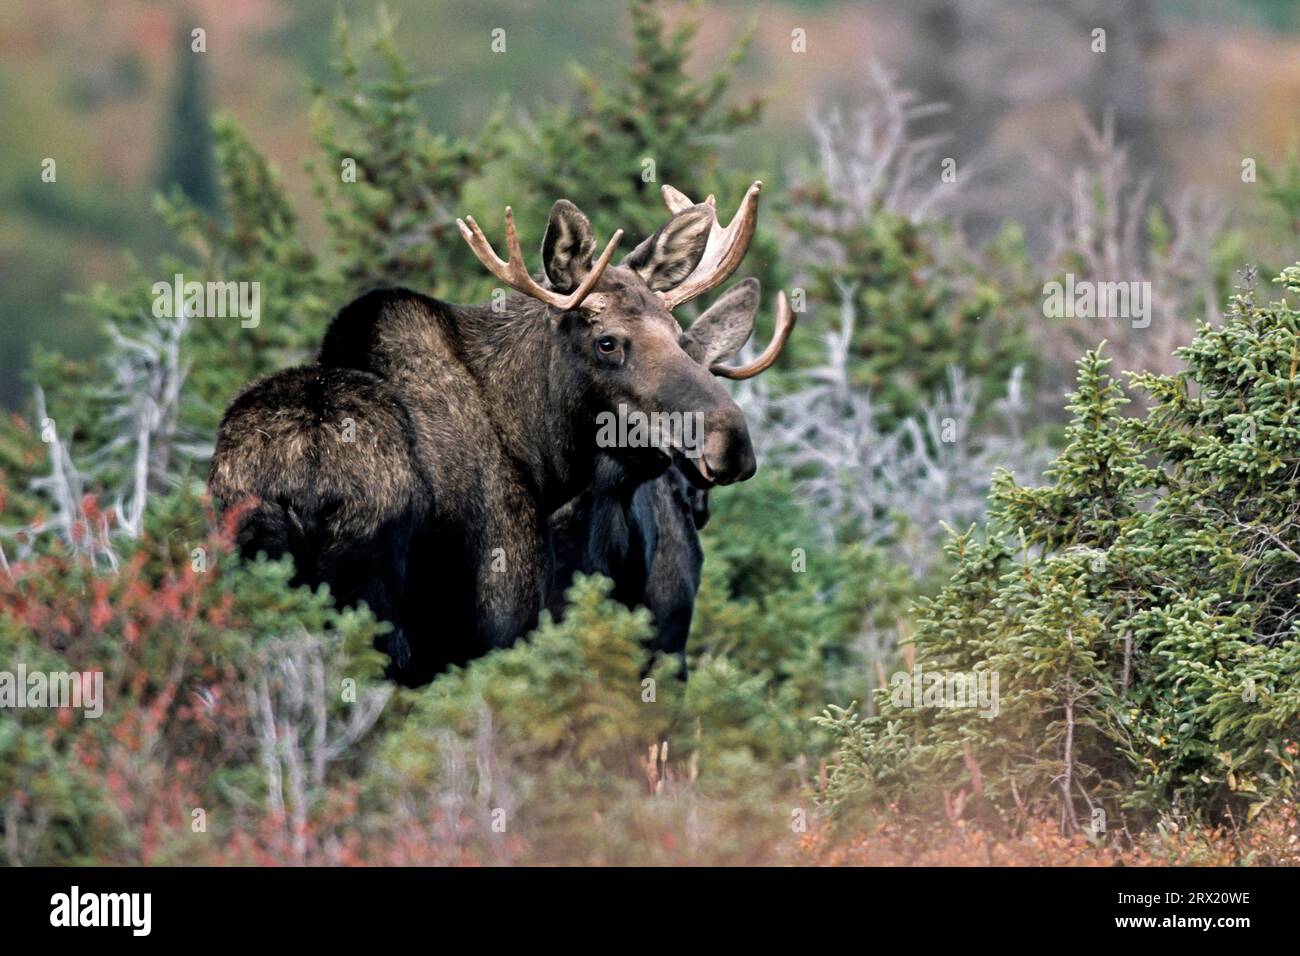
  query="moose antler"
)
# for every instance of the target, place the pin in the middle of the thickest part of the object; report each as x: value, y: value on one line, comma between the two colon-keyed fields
x: 724, y: 249
x: 785, y: 320
x: 516, y: 275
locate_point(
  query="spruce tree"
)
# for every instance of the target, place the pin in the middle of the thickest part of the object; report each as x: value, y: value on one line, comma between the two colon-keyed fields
x: 1140, y: 608
x: 186, y: 162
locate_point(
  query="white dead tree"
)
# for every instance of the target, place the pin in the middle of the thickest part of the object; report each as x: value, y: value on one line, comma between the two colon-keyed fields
x: 84, y: 531
x: 143, y: 402
x: 473, y: 791
x: 144, y: 399
x: 868, y: 159
x: 897, y: 486
x: 25, y: 823
x: 1101, y: 233
x: 288, y: 689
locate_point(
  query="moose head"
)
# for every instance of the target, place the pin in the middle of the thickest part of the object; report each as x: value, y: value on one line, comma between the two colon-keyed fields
x: 621, y: 348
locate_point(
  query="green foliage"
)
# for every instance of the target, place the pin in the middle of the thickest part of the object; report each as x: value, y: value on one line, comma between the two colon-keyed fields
x: 390, y: 226
x: 1139, y: 609
x: 574, y: 689
x: 813, y: 616
x: 390, y: 186
x: 1282, y: 190
x: 586, y: 755
x: 921, y: 305
x: 255, y: 239
x: 650, y: 110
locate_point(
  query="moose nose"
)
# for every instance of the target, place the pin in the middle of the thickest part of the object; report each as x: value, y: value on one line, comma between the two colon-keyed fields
x: 728, y: 454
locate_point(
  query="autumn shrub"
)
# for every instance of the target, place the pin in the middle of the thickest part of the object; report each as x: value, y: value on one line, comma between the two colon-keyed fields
x: 195, y: 743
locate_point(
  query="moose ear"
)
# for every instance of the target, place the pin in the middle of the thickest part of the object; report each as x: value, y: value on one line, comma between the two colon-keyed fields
x: 725, y: 326
x: 672, y: 253
x: 567, y: 247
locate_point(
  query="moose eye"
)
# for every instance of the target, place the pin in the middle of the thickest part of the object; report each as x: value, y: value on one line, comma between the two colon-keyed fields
x: 607, y: 344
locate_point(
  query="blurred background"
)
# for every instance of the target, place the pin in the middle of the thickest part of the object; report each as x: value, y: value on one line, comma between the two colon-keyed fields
x: 1193, y: 86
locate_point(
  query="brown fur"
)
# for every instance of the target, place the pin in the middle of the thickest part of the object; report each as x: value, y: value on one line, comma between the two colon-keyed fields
x: 471, y: 427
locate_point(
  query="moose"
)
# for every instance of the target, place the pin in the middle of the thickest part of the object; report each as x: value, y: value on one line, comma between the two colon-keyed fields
x: 415, y: 465
x: 644, y: 534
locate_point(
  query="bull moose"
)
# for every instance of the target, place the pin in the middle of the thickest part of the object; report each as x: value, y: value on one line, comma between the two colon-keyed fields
x: 415, y: 464
x: 644, y: 534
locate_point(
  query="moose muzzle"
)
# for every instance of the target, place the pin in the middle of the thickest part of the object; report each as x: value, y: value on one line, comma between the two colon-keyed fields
x: 727, y: 455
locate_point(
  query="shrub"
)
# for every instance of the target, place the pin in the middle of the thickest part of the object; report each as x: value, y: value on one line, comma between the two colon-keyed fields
x: 1139, y: 609
x: 200, y: 712
x: 569, y: 748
